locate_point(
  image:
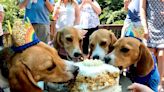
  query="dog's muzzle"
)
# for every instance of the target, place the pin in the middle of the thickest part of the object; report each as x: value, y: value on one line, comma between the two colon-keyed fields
x: 77, y: 54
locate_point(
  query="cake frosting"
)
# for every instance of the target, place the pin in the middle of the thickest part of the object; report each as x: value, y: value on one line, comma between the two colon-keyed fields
x: 95, y: 75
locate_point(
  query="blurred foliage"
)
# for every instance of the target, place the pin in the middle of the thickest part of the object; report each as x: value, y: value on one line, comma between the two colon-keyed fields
x: 112, y: 11
x: 11, y: 12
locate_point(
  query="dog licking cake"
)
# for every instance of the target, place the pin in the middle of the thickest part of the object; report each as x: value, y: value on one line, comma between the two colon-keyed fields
x: 96, y: 76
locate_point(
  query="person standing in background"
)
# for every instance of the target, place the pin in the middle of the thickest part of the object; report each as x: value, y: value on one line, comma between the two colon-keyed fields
x: 152, y: 19
x: 89, y: 20
x: 66, y: 13
x: 1, y: 20
x: 38, y: 13
x: 132, y: 18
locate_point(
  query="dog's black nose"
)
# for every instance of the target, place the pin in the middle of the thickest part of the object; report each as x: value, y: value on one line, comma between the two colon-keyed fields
x: 107, y: 59
x: 96, y: 57
x: 77, y: 54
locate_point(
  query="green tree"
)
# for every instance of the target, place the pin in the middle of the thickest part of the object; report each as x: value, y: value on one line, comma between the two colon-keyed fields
x: 112, y: 12
x: 12, y: 12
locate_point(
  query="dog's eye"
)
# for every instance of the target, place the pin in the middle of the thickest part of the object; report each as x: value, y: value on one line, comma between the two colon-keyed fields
x: 103, y: 43
x: 51, y: 67
x: 69, y: 39
x: 124, y: 50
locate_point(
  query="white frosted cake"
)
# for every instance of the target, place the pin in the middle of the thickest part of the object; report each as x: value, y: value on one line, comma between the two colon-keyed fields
x: 96, y: 76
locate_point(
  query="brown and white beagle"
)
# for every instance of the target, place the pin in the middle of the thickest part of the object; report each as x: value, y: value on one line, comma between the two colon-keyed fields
x: 130, y: 51
x: 68, y: 42
x: 32, y: 61
x: 37, y: 63
x: 101, y: 43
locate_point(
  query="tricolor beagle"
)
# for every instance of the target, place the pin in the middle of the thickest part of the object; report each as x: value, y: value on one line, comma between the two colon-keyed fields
x: 33, y: 61
x: 130, y: 51
x: 101, y: 43
x: 68, y: 42
x: 37, y: 63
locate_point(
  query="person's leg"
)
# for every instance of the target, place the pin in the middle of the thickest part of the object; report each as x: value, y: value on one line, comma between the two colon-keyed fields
x: 123, y: 30
x: 86, y: 40
x: 43, y: 32
x: 52, y: 30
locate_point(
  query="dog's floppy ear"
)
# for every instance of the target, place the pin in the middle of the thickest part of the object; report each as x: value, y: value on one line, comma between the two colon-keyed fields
x: 145, y: 63
x: 113, y: 39
x: 57, y: 41
x: 21, y: 80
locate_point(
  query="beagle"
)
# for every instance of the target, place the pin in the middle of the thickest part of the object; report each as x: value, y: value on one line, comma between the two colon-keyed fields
x: 37, y: 63
x: 68, y: 42
x: 33, y: 61
x: 129, y: 51
x: 101, y: 43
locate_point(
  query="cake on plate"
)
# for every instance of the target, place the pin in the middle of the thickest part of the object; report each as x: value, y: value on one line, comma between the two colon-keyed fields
x: 96, y: 76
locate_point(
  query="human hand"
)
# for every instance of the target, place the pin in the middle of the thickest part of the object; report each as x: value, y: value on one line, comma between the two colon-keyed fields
x: 126, y: 4
x: 56, y: 13
x: 136, y: 87
x: 57, y: 9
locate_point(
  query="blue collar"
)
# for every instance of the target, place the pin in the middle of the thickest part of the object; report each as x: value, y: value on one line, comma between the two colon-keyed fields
x: 135, y: 38
x: 23, y: 47
x: 145, y: 79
